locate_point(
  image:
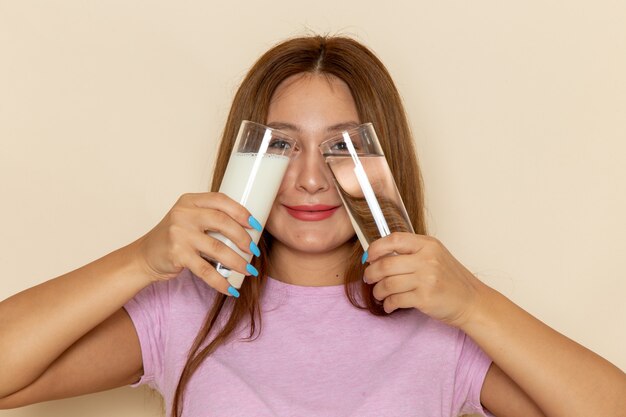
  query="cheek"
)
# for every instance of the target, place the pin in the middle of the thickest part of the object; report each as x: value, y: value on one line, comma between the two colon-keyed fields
x: 274, y: 221
x: 288, y: 180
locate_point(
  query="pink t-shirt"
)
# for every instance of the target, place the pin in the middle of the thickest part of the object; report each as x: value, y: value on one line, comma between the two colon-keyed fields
x: 317, y: 355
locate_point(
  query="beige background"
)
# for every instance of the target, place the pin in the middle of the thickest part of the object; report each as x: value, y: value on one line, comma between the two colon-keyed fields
x: 110, y: 110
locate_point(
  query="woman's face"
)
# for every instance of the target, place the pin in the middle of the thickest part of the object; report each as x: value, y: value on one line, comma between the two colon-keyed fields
x: 307, y: 215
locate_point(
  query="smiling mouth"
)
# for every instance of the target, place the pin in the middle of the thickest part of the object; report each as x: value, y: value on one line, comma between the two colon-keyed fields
x: 311, y: 213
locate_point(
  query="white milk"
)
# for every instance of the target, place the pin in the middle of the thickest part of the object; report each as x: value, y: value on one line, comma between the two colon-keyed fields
x: 254, y: 183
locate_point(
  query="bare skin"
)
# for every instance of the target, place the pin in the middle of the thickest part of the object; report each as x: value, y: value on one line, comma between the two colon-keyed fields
x: 83, y: 332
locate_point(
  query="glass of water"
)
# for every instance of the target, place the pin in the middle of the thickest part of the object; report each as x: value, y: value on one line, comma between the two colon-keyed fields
x: 365, y: 184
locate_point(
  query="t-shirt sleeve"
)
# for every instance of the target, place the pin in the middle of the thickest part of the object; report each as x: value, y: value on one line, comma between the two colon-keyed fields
x: 148, y: 311
x: 471, y: 370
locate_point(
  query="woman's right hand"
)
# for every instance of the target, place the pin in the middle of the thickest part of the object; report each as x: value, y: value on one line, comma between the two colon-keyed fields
x: 178, y: 241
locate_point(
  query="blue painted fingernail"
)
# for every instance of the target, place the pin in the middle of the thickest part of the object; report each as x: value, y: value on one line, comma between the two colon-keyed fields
x: 252, y: 270
x: 364, y: 257
x: 232, y: 291
x: 254, y: 249
x: 255, y: 223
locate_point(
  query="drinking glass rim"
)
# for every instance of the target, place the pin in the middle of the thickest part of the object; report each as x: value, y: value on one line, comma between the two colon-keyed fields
x: 348, y: 131
x: 283, y: 135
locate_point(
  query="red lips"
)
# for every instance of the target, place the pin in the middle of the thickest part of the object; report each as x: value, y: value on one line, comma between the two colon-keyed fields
x: 313, y: 212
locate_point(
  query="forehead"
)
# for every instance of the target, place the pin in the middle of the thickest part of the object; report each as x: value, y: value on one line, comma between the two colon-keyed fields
x: 310, y: 103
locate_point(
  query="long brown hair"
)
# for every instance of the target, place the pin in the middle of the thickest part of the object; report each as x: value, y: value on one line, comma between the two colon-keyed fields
x: 377, y: 101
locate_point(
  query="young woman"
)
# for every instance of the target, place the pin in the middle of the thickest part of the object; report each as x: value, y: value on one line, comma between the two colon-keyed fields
x: 318, y: 328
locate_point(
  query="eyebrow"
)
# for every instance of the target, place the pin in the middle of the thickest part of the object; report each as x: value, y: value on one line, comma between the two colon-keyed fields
x: 283, y: 126
x: 342, y: 126
x: 334, y: 128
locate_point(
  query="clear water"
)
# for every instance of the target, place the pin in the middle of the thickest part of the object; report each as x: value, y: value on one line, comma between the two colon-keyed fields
x: 376, y: 209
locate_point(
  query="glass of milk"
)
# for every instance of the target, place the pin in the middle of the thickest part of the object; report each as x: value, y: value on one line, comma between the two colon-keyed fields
x: 254, y: 173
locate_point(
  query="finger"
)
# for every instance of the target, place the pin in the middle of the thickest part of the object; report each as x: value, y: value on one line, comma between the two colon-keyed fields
x: 220, y: 222
x: 205, y: 271
x: 398, y: 242
x: 396, y: 301
x: 390, y: 265
x: 219, y: 252
x: 222, y: 202
x: 394, y: 285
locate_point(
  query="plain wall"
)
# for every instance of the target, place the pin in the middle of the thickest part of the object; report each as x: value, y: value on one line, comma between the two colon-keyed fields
x: 110, y: 110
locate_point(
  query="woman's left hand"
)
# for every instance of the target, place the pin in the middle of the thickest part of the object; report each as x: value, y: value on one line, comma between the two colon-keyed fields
x: 423, y: 275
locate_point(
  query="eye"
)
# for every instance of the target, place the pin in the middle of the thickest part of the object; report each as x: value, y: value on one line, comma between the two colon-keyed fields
x: 343, y: 147
x: 280, y: 144
x: 340, y: 146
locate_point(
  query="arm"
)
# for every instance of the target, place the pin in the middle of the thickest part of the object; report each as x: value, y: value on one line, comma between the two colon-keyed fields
x: 503, y: 397
x: 61, y: 311
x: 107, y: 357
x: 562, y: 377
x: 69, y: 336
x: 538, y: 365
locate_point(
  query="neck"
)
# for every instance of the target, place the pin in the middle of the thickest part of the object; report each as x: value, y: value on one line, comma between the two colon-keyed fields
x: 309, y: 269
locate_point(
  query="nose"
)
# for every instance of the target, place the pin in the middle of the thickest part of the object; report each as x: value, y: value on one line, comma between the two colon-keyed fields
x: 312, y: 174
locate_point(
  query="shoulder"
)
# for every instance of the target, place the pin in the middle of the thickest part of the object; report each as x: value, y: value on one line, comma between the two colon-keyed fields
x: 184, y: 294
x: 188, y: 294
x: 429, y: 336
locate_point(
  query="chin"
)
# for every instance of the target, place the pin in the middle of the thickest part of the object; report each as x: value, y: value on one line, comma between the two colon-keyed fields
x: 311, y: 241
x: 313, y: 244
